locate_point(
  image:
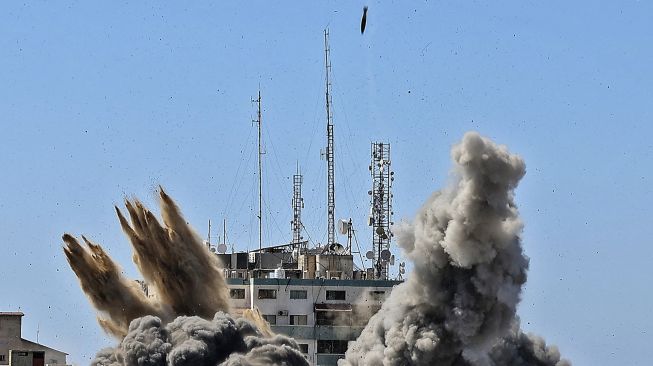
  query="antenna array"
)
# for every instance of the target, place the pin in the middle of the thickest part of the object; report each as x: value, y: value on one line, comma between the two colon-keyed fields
x: 331, y: 191
x: 380, y: 218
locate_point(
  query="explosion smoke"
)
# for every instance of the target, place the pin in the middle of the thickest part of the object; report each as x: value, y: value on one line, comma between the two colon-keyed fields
x: 469, y: 268
x: 171, y: 258
x: 111, y: 293
x: 194, y: 341
x: 187, y: 324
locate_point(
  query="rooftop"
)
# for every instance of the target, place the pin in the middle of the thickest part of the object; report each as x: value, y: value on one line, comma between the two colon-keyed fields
x: 11, y: 313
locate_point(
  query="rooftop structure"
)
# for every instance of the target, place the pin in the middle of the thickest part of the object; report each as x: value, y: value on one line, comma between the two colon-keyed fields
x: 15, y: 350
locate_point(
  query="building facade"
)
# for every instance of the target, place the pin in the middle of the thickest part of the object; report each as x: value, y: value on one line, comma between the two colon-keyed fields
x: 15, y: 350
x: 321, y: 314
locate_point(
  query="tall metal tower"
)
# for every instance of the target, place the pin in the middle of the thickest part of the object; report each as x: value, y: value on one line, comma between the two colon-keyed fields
x: 381, y: 211
x: 260, y: 174
x: 297, y: 205
x: 331, y: 191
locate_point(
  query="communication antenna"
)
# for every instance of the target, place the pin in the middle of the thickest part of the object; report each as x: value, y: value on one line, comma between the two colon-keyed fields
x: 345, y: 227
x: 331, y: 191
x: 381, y: 207
x: 297, y: 205
x: 208, y: 236
x: 260, y: 176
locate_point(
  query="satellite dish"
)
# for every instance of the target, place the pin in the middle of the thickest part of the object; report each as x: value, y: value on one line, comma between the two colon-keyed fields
x: 379, y: 230
x: 222, y: 248
x: 402, y: 270
x: 343, y: 226
x: 385, y: 255
x: 336, y: 248
x: 369, y: 254
x: 212, y: 250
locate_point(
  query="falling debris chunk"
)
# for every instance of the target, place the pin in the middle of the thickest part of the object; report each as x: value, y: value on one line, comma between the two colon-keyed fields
x: 364, y: 20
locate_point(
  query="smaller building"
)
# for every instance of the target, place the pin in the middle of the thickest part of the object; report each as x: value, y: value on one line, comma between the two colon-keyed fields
x: 16, y: 351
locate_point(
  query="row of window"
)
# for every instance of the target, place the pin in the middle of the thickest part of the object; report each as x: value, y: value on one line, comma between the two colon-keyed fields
x: 239, y: 293
x: 326, y: 346
x: 331, y: 346
x: 294, y: 319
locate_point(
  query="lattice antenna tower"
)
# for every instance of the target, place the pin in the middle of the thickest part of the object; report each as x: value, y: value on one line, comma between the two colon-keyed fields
x: 331, y: 191
x: 381, y: 207
x: 297, y: 205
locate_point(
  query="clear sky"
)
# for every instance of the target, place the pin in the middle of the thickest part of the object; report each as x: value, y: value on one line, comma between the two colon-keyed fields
x: 103, y: 100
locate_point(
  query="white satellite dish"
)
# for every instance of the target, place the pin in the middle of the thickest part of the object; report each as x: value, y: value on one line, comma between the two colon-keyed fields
x: 385, y: 255
x: 369, y: 254
x: 402, y: 270
x: 222, y: 248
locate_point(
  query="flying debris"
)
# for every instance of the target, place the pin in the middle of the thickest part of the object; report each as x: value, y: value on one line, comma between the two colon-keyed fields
x: 457, y: 308
x: 188, y: 321
x: 364, y: 20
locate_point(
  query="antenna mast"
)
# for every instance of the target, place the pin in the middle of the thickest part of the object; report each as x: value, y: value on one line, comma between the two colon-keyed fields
x: 260, y: 177
x: 381, y: 211
x: 331, y: 199
x: 208, y: 236
x: 297, y: 205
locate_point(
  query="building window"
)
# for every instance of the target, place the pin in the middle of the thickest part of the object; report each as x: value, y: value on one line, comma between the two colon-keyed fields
x: 297, y: 294
x: 299, y: 320
x: 303, y: 347
x: 2, y: 357
x: 377, y: 295
x: 272, y: 319
x: 267, y: 294
x: 331, y: 346
x: 237, y: 293
x: 335, y: 295
x: 334, y: 318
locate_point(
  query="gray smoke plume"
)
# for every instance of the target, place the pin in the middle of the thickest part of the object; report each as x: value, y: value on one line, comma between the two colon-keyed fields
x: 197, y: 341
x: 521, y: 349
x: 460, y: 301
x: 172, y: 259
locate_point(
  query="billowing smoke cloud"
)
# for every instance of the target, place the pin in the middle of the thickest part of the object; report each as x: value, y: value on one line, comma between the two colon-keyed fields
x: 188, y: 322
x: 458, y: 306
x: 197, y: 341
x: 521, y: 349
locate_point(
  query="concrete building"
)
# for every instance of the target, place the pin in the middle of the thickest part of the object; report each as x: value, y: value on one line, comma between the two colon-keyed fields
x: 318, y: 298
x: 15, y: 350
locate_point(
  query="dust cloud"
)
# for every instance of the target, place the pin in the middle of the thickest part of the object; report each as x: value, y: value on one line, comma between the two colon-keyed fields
x: 458, y: 306
x: 188, y: 322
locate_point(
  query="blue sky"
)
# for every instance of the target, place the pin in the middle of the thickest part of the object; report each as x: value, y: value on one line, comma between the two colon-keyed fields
x: 103, y: 101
